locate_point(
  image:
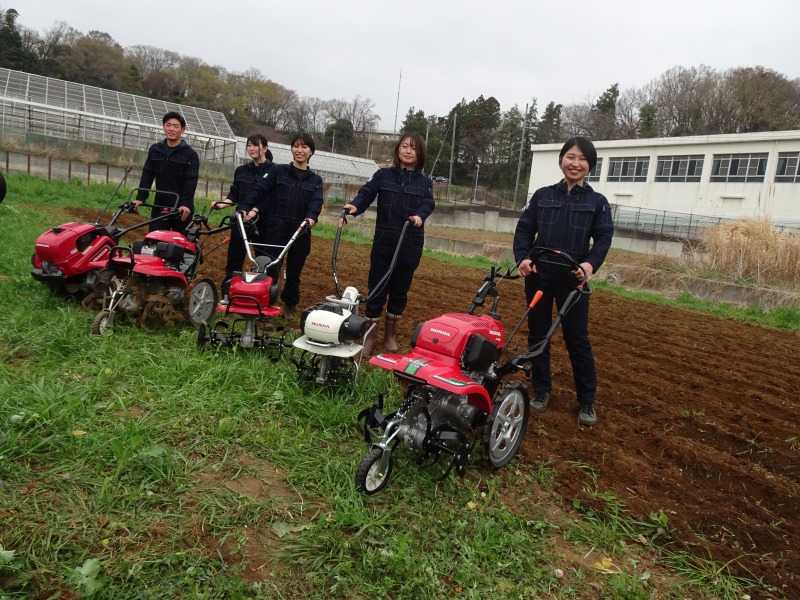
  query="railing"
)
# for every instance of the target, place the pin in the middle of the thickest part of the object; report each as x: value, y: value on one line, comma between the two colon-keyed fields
x: 676, y: 225
x: 65, y: 169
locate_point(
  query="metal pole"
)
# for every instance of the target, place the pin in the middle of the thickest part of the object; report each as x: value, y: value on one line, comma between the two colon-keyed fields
x: 475, y: 189
x: 452, y: 148
x: 397, y: 104
x: 519, y: 160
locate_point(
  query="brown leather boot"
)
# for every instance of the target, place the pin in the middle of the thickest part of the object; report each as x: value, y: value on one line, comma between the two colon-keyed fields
x: 390, y: 332
x: 372, y: 336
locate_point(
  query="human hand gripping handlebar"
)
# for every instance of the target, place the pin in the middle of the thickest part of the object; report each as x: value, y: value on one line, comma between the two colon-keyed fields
x: 566, y: 261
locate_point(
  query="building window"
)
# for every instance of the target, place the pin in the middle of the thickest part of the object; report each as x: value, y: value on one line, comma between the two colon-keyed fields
x: 594, y: 174
x: 788, y: 171
x: 679, y: 168
x: 628, y: 169
x: 739, y: 167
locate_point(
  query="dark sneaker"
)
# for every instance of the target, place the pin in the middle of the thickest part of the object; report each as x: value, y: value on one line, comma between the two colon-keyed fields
x: 540, y: 401
x: 289, y: 312
x: 586, y: 415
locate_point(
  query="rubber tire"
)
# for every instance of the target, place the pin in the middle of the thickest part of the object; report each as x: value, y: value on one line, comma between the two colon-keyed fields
x: 513, y: 398
x: 103, y: 323
x: 202, y: 302
x: 3, y: 187
x: 364, y: 482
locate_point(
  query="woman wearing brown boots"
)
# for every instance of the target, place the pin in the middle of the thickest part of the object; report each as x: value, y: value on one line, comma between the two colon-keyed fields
x: 403, y: 194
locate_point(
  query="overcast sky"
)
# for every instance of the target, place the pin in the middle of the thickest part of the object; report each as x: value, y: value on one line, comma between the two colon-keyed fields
x: 567, y: 52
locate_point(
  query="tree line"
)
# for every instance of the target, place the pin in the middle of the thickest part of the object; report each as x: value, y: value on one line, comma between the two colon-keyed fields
x: 486, y: 144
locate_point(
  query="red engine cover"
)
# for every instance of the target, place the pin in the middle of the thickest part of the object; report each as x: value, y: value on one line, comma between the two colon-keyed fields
x: 448, y: 335
x: 172, y: 237
x: 59, y: 243
x: 251, y: 298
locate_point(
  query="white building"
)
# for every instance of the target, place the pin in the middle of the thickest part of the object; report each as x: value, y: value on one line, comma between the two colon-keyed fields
x: 749, y: 175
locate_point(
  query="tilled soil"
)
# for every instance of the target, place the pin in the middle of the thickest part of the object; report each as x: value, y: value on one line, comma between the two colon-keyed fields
x: 695, y: 414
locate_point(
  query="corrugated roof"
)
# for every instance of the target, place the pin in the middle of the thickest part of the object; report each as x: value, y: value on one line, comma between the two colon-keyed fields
x: 349, y: 169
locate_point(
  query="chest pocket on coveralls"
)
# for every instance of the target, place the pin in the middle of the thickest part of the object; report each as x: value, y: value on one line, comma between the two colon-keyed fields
x: 158, y: 161
x: 581, y: 217
x: 283, y: 199
x: 245, y: 183
x: 178, y: 164
x: 548, y: 217
x: 388, y: 193
x: 412, y: 197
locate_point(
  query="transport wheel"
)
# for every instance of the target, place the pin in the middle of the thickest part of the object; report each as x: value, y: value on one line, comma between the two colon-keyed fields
x: 506, y: 425
x: 368, y: 480
x: 96, y: 298
x: 103, y: 323
x: 201, y: 301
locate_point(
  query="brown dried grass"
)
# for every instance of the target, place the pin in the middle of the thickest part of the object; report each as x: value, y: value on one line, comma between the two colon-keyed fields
x: 752, y: 250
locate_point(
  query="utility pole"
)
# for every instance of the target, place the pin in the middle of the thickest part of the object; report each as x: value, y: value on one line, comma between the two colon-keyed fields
x: 519, y: 160
x: 475, y: 189
x: 397, y: 104
x: 452, y: 148
x: 333, y: 141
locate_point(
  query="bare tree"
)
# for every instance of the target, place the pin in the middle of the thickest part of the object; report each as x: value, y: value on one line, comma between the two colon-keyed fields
x: 629, y: 106
x: 360, y: 113
x: 335, y: 110
x: 306, y: 114
x: 150, y: 59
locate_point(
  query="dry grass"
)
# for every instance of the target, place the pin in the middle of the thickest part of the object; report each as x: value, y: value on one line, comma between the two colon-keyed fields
x: 751, y: 251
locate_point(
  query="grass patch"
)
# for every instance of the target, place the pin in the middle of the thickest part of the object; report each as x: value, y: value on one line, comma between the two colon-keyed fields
x: 135, y: 465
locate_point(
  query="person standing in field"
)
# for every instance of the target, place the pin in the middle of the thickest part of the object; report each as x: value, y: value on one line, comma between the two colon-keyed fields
x: 244, y: 178
x: 175, y: 167
x: 285, y: 196
x: 404, y: 193
x: 568, y: 216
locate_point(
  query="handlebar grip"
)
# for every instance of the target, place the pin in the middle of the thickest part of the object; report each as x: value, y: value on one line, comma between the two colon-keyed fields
x: 536, y: 297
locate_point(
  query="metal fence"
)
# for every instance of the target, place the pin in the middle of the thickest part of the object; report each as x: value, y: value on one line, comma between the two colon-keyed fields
x: 64, y: 169
x: 676, y: 225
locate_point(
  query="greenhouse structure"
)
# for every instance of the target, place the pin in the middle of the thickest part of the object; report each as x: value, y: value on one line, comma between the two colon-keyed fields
x: 333, y: 168
x: 33, y: 105
x: 44, y: 106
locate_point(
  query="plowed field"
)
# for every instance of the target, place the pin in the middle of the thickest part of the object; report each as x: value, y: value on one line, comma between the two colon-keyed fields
x: 698, y: 416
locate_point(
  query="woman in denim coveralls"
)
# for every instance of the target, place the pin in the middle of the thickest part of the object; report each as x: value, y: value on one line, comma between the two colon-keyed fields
x: 404, y: 193
x: 244, y: 178
x: 288, y: 195
x: 565, y: 216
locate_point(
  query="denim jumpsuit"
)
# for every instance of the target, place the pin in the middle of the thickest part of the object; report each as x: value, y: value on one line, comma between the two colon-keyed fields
x: 244, y: 178
x: 174, y: 170
x: 563, y: 220
x: 286, y: 196
x: 401, y: 194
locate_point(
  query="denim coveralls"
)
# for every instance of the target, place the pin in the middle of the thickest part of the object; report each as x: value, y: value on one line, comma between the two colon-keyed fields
x: 286, y: 196
x: 401, y: 194
x: 567, y: 221
x: 244, y: 178
x: 174, y: 170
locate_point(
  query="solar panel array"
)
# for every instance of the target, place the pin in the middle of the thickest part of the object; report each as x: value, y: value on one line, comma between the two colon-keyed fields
x: 54, y: 107
x: 34, y: 104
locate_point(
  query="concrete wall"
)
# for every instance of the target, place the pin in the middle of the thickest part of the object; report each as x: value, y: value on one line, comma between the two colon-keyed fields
x: 506, y: 222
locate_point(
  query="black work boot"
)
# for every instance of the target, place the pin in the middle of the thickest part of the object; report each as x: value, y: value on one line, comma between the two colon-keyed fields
x: 540, y: 401
x: 586, y: 414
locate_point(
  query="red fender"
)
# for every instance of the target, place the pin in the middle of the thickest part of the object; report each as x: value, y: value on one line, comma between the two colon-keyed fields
x: 416, y: 367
